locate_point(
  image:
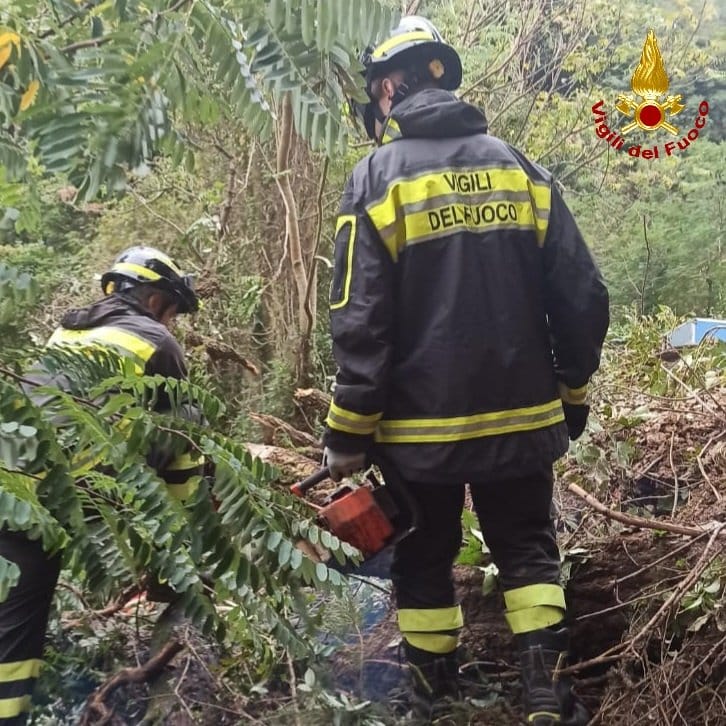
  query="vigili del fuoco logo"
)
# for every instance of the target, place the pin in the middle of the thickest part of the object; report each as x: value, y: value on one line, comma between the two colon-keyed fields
x: 649, y: 109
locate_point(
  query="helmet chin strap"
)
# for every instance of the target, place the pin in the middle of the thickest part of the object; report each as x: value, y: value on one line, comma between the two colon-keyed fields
x: 402, y: 90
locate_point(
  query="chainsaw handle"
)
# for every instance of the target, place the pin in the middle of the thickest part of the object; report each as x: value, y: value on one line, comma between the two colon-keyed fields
x: 301, y: 487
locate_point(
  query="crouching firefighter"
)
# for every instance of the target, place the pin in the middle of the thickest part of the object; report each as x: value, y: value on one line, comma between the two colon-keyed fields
x: 467, y: 317
x: 143, y: 292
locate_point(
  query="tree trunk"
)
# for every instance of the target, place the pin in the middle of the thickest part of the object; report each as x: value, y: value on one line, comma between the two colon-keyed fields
x: 285, y: 144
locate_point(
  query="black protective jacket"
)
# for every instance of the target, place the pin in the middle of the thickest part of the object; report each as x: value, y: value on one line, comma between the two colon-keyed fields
x: 121, y: 324
x: 464, y: 301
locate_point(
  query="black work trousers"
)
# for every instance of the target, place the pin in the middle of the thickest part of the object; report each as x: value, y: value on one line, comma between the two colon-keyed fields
x: 515, y: 519
x: 23, y: 622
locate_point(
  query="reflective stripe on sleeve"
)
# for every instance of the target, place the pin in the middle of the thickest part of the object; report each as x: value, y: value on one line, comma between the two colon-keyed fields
x: 461, y: 428
x: 345, y: 287
x: 478, y: 200
x: 575, y: 396
x: 342, y: 419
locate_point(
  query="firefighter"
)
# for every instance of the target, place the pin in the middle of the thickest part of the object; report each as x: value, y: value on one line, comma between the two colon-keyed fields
x: 143, y: 292
x: 467, y: 317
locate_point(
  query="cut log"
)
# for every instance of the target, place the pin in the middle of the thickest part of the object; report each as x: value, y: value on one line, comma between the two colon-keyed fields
x: 276, y: 432
x: 219, y: 352
x: 313, y: 402
x: 292, y: 465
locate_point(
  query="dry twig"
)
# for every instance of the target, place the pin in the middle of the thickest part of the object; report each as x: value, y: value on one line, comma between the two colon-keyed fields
x: 97, y: 713
x: 633, y: 520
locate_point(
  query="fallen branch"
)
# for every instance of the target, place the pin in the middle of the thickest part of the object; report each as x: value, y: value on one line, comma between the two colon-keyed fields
x: 97, y: 713
x: 272, y: 427
x: 111, y: 609
x: 633, y: 520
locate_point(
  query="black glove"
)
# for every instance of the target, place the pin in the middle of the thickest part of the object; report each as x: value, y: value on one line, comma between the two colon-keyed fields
x: 575, y: 418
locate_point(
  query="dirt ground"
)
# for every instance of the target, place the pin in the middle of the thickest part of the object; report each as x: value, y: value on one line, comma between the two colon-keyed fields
x: 646, y: 607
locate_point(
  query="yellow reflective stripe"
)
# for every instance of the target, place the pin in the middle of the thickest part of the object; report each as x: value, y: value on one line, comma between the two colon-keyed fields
x: 430, y: 620
x: 432, y: 642
x: 349, y: 415
x: 342, y: 221
x: 396, y: 40
x: 532, y: 595
x: 541, y: 194
x: 534, y: 606
x: 20, y: 669
x: 10, y: 707
x: 575, y: 396
x: 105, y: 336
x: 186, y: 461
x: 143, y: 272
x: 462, y: 428
x: 351, y: 422
x: 477, y: 199
x: 536, y: 618
x: 185, y: 489
x: 543, y: 714
x: 167, y: 261
x: 391, y: 131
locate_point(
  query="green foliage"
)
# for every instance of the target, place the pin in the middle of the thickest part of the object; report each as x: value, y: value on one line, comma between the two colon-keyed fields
x: 18, y: 292
x: 75, y: 475
x: 705, y: 602
x: 114, y: 91
x: 474, y: 551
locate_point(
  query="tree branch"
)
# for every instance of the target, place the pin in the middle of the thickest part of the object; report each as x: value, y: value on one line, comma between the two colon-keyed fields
x: 96, y: 712
x: 633, y: 520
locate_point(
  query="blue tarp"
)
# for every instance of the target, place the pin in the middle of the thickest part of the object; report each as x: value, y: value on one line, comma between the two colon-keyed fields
x: 693, y: 331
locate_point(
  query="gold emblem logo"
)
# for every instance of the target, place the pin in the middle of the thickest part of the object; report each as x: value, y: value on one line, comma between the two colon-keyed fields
x: 649, y: 83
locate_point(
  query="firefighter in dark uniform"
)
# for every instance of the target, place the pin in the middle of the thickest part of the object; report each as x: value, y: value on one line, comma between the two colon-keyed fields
x: 144, y: 291
x: 467, y: 318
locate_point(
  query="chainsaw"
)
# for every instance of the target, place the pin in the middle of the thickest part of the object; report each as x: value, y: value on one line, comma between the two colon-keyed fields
x: 371, y: 516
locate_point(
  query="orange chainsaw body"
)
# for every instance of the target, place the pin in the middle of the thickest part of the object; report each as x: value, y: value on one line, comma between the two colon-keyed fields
x: 356, y: 517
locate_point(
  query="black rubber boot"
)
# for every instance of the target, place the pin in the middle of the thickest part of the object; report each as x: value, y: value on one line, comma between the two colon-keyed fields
x: 548, y: 697
x: 434, y: 683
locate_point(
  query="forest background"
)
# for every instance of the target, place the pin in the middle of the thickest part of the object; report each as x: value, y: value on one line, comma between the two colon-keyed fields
x: 216, y: 131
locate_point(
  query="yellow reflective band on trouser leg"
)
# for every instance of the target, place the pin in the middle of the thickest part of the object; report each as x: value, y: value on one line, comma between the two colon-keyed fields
x: 20, y: 669
x: 10, y: 707
x: 184, y: 490
x: 186, y: 461
x: 432, y: 642
x: 534, y: 607
x: 430, y: 629
x: 21, y: 673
